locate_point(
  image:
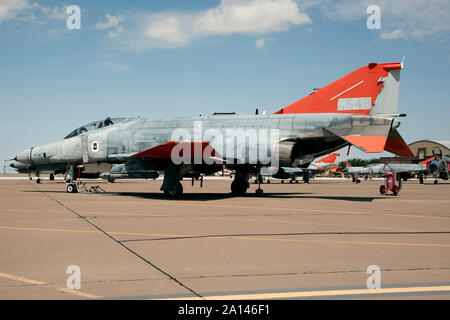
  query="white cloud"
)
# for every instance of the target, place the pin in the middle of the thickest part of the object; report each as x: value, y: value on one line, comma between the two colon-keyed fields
x: 174, y: 29
x: 260, y: 43
x: 399, y: 18
x: 250, y: 16
x: 111, y: 22
x: 55, y: 13
x: 25, y: 11
x: 10, y: 8
x: 396, y: 34
x: 167, y: 30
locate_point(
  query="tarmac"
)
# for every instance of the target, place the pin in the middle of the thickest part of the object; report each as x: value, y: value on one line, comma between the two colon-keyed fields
x: 298, y: 241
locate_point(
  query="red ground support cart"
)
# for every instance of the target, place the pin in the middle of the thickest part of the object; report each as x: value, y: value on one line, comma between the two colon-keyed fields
x: 390, y: 179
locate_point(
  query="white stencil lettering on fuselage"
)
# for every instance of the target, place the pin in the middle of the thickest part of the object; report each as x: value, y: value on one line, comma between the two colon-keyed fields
x: 354, y: 104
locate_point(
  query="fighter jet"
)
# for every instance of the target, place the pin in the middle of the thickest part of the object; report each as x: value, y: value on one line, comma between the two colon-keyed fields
x: 82, y: 171
x: 38, y: 170
x: 359, y: 109
x: 439, y: 166
x: 307, y: 173
x: 403, y: 171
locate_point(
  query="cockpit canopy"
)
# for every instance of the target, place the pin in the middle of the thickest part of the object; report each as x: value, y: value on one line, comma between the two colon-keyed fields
x: 94, y: 126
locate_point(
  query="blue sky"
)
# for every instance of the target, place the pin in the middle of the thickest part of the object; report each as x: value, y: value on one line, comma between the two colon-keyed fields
x: 183, y: 58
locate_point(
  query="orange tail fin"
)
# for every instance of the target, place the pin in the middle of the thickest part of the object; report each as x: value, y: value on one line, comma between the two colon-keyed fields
x: 356, y: 92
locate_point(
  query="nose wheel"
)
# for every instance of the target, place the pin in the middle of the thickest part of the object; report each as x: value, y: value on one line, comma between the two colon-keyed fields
x: 72, y: 188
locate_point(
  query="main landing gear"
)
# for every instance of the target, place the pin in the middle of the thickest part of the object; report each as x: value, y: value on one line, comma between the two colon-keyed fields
x: 172, y: 186
x: 240, y: 183
x: 38, y: 176
x: 306, y: 177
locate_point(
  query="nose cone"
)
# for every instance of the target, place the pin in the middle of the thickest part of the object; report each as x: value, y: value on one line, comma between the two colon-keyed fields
x: 18, y: 166
x: 24, y: 157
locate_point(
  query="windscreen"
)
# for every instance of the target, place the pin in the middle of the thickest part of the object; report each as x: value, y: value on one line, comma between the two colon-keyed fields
x: 94, y: 125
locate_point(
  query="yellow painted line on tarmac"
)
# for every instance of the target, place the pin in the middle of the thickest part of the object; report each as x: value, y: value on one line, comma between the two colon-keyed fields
x: 327, y: 293
x: 415, y: 201
x: 83, y: 213
x: 32, y: 210
x: 78, y: 293
x: 54, y: 230
x: 274, y: 221
x: 98, y: 232
x: 238, y: 237
x: 292, y: 209
x: 37, y: 282
x: 414, y: 216
x: 234, y: 207
x: 348, y: 242
x: 21, y: 279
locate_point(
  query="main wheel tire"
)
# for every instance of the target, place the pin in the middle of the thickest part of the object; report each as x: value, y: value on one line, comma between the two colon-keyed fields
x: 239, y: 187
x: 179, y: 192
x: 382, y: 189
x: 395, y: 190
x: 175, y: 193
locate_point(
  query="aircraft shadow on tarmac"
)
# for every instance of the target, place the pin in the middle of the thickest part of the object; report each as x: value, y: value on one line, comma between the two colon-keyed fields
x: 219, y: 196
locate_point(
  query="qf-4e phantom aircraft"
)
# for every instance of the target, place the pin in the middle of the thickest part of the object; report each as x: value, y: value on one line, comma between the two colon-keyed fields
x: 360, y: 109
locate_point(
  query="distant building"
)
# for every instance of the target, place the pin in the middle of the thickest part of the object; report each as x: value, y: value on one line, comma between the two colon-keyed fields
x: 422, y: 150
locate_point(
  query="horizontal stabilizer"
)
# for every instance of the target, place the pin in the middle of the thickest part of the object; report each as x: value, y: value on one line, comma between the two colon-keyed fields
x: 367, y: 134
x: 369, y: 144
